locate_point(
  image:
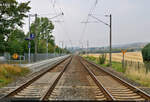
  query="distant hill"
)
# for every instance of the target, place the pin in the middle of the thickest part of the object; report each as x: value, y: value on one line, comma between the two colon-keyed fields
x: 116, y: 48
x: 132, y: 45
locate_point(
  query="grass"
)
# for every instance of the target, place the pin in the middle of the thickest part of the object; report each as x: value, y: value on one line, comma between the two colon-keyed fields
x: 91, y: 58
x: 115, y: 65
x: 138, y: 75
x: 9, y: 73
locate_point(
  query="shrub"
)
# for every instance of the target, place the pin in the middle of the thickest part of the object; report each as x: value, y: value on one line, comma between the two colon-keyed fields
x: 102, y: 59
x: 146, y: 53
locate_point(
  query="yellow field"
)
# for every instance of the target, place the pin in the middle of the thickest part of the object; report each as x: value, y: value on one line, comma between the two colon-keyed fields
x: 129, y: 56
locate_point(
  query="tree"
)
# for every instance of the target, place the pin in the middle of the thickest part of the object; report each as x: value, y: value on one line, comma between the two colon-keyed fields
x: 43, y: 27
x: 15, y: 42
x: 12, y: 14
x: 50, y: 48
x: 146, y: 53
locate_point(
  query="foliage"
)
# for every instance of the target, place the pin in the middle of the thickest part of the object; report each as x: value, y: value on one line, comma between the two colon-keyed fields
x: 8, y: 73
x: 102, y: 59
x: 42, y: 28
x: 12, y: 14
x: 15, y: 42
x: 50, y: 48
x: 146, y: 53
x: 42, y: 46
x: 12, y: 38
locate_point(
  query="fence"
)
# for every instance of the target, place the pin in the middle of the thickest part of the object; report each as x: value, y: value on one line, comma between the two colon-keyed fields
x: 138, y: 65
x: 42, y: 56
x: 23, y: 59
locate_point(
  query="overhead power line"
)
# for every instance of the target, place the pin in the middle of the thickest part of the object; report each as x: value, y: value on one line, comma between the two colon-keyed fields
x: 85, y: 24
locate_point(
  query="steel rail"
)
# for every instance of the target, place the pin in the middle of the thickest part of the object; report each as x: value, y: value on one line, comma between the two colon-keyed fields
x: 18, y: 89
x: 99, y: 84
x: 130, y: 86
x: 52, y: 87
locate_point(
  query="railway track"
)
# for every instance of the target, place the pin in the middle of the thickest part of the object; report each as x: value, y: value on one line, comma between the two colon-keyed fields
x: 76, y: 79
x: 40, y: 86
x: 76, y: 84
x: 113, y: 88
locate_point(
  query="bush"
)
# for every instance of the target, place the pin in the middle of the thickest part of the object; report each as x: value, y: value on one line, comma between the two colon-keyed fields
x: 102, y: 59
x: 146, y: 53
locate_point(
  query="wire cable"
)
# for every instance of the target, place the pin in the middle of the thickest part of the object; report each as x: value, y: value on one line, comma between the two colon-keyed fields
x: 85, y: 26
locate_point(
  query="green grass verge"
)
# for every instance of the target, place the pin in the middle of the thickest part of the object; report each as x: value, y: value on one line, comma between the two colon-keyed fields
x: 115, y: 65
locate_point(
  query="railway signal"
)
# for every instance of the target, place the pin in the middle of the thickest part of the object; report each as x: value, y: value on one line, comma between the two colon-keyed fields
x: 123, y: 61
x: 15, y: 56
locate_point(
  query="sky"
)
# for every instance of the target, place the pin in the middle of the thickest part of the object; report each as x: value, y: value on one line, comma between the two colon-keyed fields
x: 130, y: 21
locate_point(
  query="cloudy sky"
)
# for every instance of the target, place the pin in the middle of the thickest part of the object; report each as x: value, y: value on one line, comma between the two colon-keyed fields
x: 130, y: 20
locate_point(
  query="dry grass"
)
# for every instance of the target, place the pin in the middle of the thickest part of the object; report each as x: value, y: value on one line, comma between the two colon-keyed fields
x: 8, y: 73
x: 138, y: 75
x: 129, y: 56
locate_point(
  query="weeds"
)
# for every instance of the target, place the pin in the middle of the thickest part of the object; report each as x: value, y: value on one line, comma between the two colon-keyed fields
x: 138, y: 75
x: 102, y: 59
x: 8, y: 73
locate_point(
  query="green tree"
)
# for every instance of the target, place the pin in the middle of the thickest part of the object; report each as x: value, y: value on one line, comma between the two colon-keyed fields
x: 42, y: 46
x: 15, y: 42
x: 146, y: 53
x: 12, y: 14
x: 50, y: 48
x: 43, y: 27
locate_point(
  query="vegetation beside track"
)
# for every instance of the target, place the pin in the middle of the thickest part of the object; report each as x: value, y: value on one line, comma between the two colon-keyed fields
x: 115, y: 65
x: 8, y: 73
x: 138, y: 75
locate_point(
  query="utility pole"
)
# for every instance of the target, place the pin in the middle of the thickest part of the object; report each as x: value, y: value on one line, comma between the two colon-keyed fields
x: 54, y: 47
x: 110, y: 52
x: 35, y: 40
x: 82, y: 47
x: 29, y: 45
x: 66, y: 49
x: 110, y: 26
x: 87, y: 47
x: 62, y: 47
x: 47, y: 48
